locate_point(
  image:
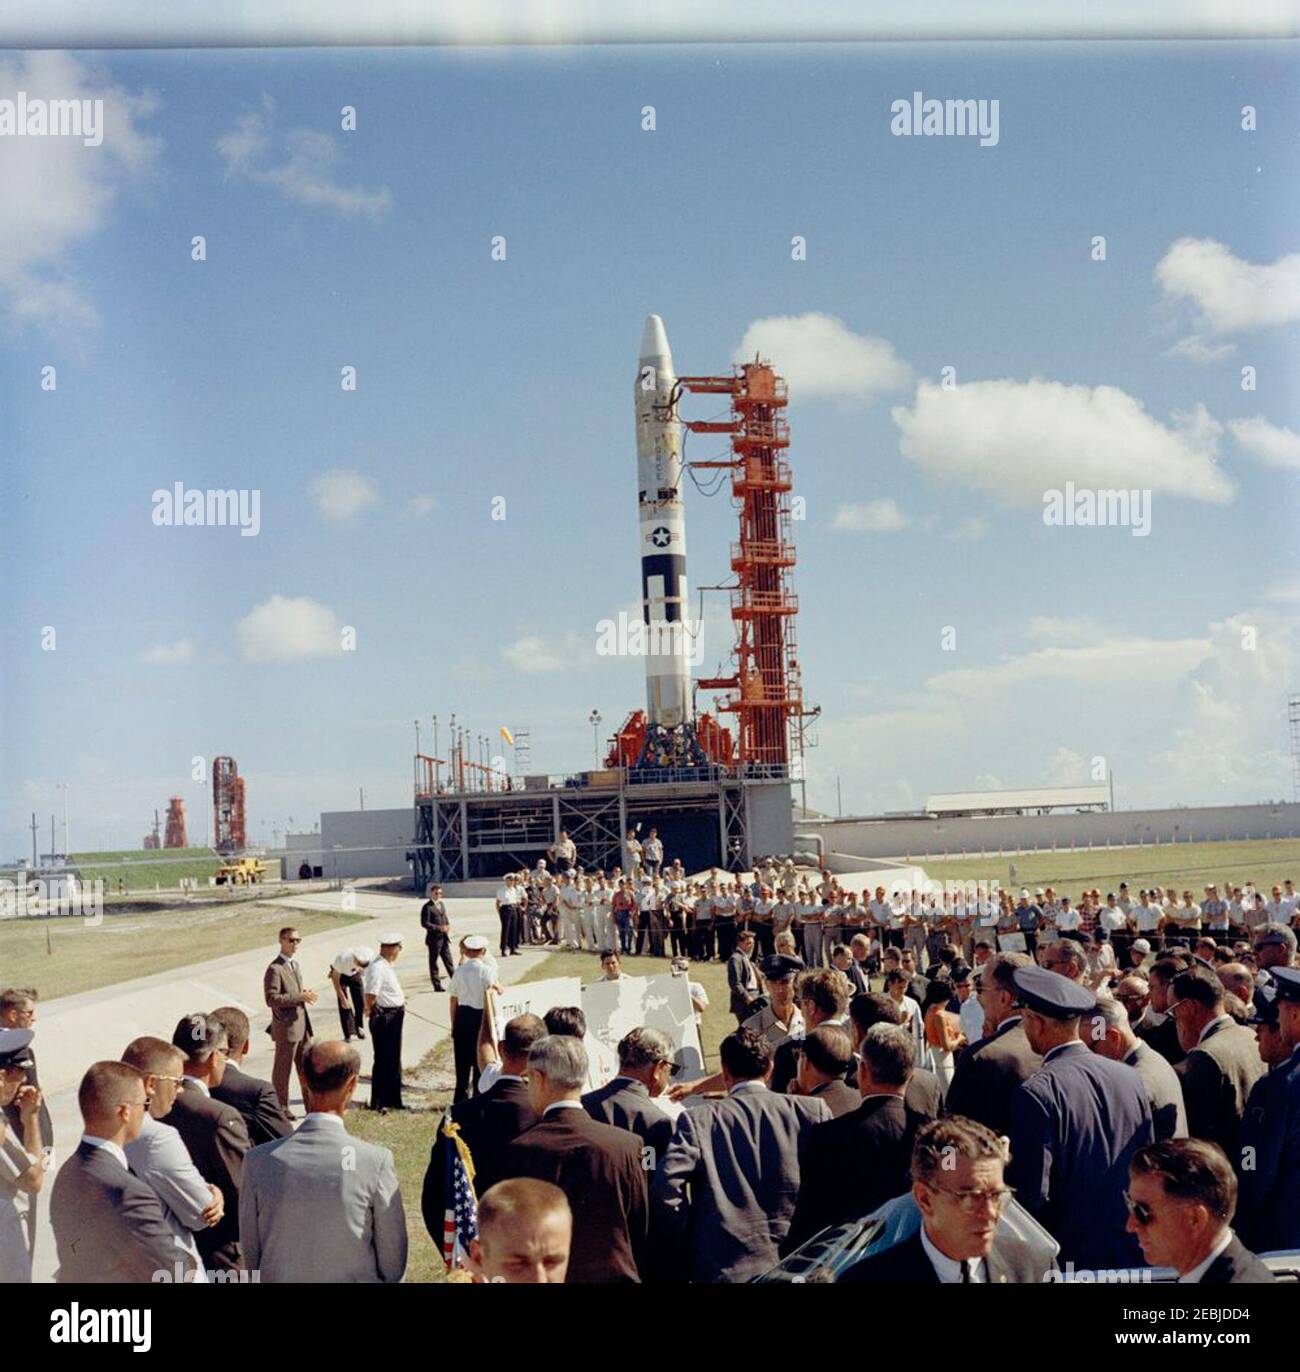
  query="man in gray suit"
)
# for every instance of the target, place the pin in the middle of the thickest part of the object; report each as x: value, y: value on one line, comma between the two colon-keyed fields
x: 740, y: 1158
x: 290, y: 1026
x: 321, y: 1206
x: 1112, y: 1035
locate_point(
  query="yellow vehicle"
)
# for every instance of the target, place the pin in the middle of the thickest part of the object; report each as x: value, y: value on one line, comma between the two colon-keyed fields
x: 240, y: 872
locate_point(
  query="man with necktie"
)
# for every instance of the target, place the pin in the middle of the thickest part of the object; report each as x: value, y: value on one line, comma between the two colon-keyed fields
x: 290, y: 1026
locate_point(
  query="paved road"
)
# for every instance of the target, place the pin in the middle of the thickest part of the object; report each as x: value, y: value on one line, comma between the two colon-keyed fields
x: 74, y: 1031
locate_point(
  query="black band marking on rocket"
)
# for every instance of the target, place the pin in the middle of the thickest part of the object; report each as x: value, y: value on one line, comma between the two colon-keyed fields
x: 672, y: 567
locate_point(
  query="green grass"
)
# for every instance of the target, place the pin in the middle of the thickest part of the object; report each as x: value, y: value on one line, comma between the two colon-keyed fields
x: 427, y: 1091
x: 143, y: 869
x: 1184, y: 865
x: 62, y: 956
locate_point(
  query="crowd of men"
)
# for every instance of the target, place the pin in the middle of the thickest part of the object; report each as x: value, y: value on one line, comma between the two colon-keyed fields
x: 1117, y: 1078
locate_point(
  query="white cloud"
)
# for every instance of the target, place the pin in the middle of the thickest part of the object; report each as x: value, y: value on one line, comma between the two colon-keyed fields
x: 1228, y: 294
x: 875, y: 517
x: 58, y: 193
x: 170, y: 654
x: 1274, y: 446
x: 340, y: 495
x: 1058, y: 629
x: 1066, y: 768
x: 301, y: 164
x: 819, y: 356
x: 1103, y: 663
x: 419, y: 506
x: 1195, y: 349
x: 287, y: 629
x: 534, y: 654
x: 1016, y: 439
x: 968, y: 530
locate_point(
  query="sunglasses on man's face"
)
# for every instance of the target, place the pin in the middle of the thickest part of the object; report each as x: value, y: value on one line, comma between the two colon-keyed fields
x: 1140, y: 1210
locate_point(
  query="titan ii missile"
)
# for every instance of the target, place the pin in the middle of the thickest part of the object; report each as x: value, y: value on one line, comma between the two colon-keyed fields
x: 663, y: 532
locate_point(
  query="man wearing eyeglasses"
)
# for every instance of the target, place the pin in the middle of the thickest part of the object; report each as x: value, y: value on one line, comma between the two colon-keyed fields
x: 213, y: 1132
x: 290, y: 1026
x: 1181, y: 1198
x: 158, y: 1154
x: 108, y: 1224
x: 1075, y: 1125
x: 957, y: 1183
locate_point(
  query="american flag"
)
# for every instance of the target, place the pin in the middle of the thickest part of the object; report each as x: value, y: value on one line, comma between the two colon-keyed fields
x: 460, y: 1218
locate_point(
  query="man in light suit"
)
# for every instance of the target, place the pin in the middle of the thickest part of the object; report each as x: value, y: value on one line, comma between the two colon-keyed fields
x: 254, y: 1098
x: 740, y: 1159
x: 321, y: 1206
x: 957, y: 1183
x: 158, y: 1154
x: 109, y: 1225
x: 645, y: 1062
x: 290, y: 1026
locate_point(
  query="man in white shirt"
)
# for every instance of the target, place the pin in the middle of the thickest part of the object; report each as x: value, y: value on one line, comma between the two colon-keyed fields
x: 471, y: 984
x: 570, y: 902
x: 386, y: 1007
x: 972, y: 1012
x: 1182, y: 1195
x: 158, y: 1154
x: 507, y: 901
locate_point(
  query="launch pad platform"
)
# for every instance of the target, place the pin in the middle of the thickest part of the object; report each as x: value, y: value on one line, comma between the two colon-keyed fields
x: 708, y: 817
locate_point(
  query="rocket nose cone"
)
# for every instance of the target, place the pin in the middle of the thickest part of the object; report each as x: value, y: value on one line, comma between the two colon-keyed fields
x: 654, y: 340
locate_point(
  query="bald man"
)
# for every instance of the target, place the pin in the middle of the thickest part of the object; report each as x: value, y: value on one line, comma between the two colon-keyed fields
x: 320, y: 1205
x: 525, y: 1228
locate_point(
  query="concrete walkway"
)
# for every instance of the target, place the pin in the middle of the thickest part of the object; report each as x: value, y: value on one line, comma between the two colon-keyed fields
x: 74, y: 1031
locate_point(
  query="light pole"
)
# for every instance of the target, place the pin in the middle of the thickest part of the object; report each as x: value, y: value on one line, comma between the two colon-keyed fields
x: 594, y: 720
x: 67, y: 842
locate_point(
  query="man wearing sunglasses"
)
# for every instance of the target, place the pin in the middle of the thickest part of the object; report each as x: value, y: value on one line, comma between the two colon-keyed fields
x: 290, y: 1026
x: 1181, y: 1198
x: 957, y: 1183
x: 1075, y: 1125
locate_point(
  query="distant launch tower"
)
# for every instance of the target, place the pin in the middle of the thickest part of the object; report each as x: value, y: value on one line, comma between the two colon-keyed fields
x: 228, y: 805
x: 174, y: 834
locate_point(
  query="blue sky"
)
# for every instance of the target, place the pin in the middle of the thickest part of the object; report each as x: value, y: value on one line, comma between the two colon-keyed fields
x: 480, y: 378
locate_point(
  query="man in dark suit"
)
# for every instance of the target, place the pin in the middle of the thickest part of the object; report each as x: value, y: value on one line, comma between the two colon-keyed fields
x: 990, y: 1071
x: 825, y: 1063
x: 725, y: 1193
x: 923, y: 1098
x: 645, y: 1063
x: 487, y: 1122
x: 1269, y: 1212
x: 957, y: 1183
x: 437, y: 936
x: 1222, y: 1062
x: 254, y: 1098
x: 214, y: 1133
x: 1181, y: 1197
x: 109, y: 1225
x: 290, y: 1026
x: 1075, y: 1125
x: 597, y: 1166
x: 1159, y: 1029
x: 742, y: 977
x: 854, y: 1164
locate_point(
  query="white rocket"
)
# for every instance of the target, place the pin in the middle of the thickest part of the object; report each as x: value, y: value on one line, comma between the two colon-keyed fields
x: 663, y: 532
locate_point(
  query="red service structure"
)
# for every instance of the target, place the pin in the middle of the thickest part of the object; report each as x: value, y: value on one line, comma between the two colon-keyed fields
x: 228, y: 805
x: 174, y: 834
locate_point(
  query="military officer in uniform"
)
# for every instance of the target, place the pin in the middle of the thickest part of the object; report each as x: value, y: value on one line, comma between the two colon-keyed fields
x: 780, y: 1018
x: 1075, y: 1125
x: 1268, y: 1210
